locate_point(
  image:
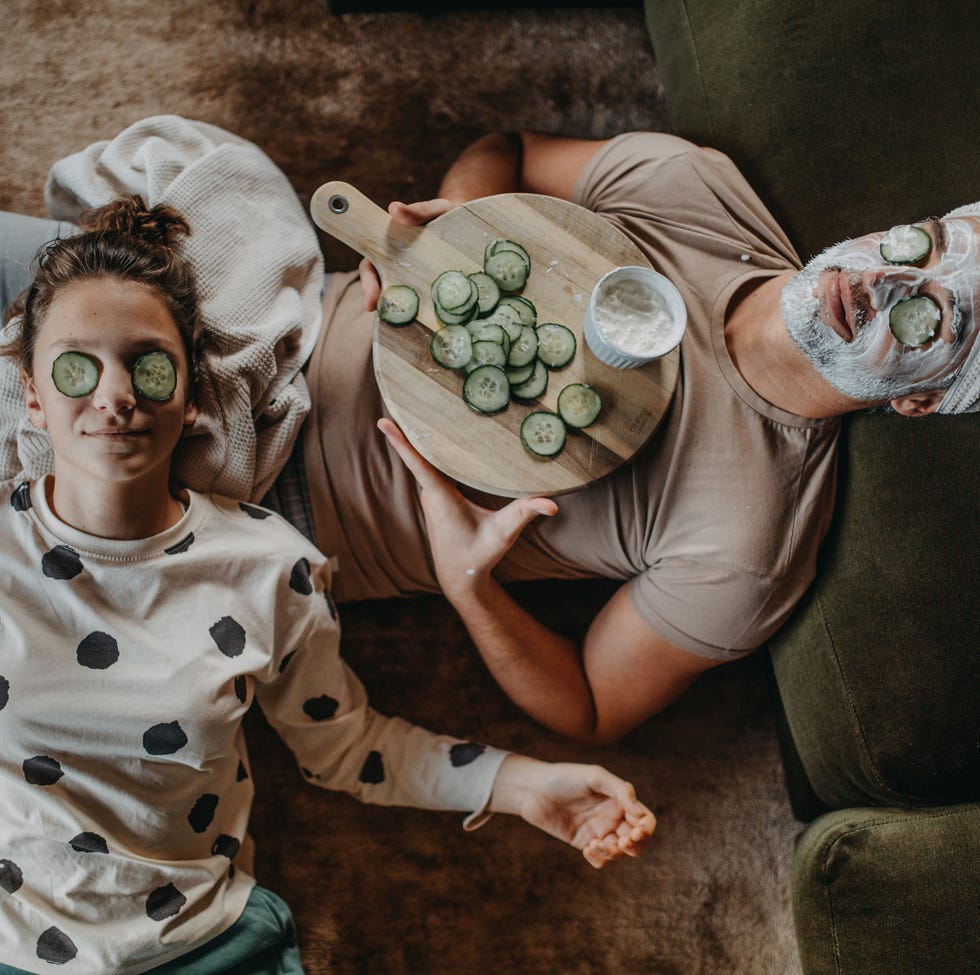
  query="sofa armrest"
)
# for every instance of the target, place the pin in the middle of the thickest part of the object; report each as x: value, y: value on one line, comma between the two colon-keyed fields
x: 889, y: 892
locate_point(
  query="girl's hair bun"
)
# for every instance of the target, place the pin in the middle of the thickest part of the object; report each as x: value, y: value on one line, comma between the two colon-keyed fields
x: 129, y: 216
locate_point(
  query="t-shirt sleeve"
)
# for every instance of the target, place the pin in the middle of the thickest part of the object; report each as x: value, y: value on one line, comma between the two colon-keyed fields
x: 320, y: 709
x: 710, y: 609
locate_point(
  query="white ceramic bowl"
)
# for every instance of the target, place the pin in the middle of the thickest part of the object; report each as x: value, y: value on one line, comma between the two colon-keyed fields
x: 635, y: 316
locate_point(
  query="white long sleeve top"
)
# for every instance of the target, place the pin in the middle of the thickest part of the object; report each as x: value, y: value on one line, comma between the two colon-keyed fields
x: 126, y: 668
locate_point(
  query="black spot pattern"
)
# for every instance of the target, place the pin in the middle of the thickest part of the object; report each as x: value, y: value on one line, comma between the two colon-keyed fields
x: 61, y: 562
x: 242, y: 772
x: 373, y: 770
x: 321, y: 708
x: 241, y: 688
x: 229, y: 636
x: 284, y: 663
x: 20, y: 500
x: 465, y: 753
x: 42, y: 770
x: 182, y: 546
x: 331, y: 608
x: 98, y: 650
x: 89, y: 843
x: 56, y: 947
x: 225, y: 846
x: 164, y: 739
x: 201, y: 816
x: 164, y: 902
x: 299, y: 578
x: 11, y: 876
x: 4, y: 692
x: 254, y: 512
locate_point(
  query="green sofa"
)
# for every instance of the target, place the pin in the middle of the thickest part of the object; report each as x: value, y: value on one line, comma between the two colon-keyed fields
x: 851, y: 117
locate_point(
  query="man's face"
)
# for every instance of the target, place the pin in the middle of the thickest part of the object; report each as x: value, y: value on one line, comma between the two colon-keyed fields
x: 840, y: 310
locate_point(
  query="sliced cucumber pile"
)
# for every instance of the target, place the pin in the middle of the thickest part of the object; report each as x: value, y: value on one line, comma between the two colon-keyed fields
x: 492, y: 336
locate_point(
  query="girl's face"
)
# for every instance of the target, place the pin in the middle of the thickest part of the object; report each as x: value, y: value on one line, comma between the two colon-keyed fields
x: 113, y: 433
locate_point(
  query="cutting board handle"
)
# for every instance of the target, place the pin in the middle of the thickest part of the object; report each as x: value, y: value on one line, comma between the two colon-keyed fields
x: 347, y: 214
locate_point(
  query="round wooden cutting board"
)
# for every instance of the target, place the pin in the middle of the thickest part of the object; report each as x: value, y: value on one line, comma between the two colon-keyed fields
x: 570, y: 249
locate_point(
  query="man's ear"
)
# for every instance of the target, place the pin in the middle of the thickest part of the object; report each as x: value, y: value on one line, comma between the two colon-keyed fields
x: 35, y: 412
x: 919, y: 404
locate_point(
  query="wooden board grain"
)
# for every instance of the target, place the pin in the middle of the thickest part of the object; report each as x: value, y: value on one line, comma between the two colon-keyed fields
x: 570, y: 249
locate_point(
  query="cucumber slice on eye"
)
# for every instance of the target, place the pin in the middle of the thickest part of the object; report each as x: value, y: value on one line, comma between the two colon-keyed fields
x: 74, y: 374
x: 913, y: 321
x: 906, y: 244
x: 154, y: 376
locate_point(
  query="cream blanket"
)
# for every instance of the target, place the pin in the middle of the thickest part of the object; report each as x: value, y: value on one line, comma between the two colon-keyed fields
x: 260, y: 275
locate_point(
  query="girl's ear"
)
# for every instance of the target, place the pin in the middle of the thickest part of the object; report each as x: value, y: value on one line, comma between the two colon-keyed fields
x: 190, y: 413
x: 35, y: 411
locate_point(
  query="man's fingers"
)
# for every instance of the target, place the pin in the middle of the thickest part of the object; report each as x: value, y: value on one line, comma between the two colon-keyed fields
x: 370, y: 285
x: 416, y: 214
x: 516, y: 516
x: 423, y: 471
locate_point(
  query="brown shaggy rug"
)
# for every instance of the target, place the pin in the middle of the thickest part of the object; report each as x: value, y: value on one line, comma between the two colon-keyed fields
x: 385, y: 101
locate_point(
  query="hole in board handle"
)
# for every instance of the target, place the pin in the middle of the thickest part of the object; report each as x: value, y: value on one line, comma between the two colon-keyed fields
x: 337, y: 203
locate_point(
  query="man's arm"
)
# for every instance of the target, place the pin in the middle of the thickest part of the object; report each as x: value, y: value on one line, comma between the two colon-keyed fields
x: 622, y: 674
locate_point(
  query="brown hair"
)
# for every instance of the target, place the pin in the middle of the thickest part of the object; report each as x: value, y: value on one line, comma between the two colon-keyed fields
x: 126, y: 240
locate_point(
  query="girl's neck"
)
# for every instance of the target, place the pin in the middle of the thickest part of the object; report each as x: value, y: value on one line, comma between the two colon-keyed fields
x: 128, y: 511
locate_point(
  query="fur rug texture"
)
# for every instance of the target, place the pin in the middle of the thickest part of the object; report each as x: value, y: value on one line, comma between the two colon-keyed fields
x: 386, y: 101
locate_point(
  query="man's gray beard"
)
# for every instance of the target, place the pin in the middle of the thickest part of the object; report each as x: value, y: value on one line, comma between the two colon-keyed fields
x: 840, y: 363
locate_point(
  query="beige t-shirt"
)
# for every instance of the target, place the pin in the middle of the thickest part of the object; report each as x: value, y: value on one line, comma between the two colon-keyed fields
x: 715, y: 523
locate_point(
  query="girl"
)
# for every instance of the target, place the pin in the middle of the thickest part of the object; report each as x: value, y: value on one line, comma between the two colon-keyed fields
x: 138, y: 621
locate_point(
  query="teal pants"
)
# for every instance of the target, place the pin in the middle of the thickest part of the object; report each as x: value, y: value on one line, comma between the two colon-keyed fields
x: 261, y: 942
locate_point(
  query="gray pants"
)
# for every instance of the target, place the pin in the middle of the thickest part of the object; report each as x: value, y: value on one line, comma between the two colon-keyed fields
x: 20, y: 239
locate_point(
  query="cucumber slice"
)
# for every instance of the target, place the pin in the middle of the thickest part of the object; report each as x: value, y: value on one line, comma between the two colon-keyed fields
x: 579, y: 405
x: 533, y: 387
x: 524, y: 349
x: 451, y: 346
x: 523, y: 306
x: 487, y: 292
x: 519, y: 374
x: 543, y: 433
x: 452, y: 318
x: 486, y: 389
x: 74, y: 374
x: 906, y: 244
x: 502, y: 244
x: 155, y: 376
x: 913, y: 321
x: 556, y: 344
x: 486, y: 354
x: 490, y: 333
x: 398, y: 304
x: 508, y: 269
x: 454, y: 291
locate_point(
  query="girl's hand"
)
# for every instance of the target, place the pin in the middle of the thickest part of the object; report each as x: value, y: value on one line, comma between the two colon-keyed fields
x: 584, y: 805
x: 466, y: 540
x: 410, y: 215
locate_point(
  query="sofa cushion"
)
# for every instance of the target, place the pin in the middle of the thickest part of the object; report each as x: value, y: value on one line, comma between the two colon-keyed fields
x: 882, y: 892
x: 879, y: 667
x: 846, y: 117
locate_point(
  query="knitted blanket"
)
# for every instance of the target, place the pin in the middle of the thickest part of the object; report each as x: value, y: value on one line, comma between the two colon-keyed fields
x: 259, y: 271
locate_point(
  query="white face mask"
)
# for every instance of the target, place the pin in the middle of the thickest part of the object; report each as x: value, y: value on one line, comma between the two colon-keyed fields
x: 837, y: 311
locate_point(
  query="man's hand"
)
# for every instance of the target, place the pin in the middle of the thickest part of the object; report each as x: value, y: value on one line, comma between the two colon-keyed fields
x: 410, y: 215
x: 467, y: 541
x: 583, y: 805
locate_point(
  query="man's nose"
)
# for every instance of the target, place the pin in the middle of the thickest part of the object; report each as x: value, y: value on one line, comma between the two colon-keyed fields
x: 114, y: 394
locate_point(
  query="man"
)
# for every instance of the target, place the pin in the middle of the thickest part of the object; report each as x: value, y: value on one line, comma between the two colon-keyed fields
x: 715, y: 525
